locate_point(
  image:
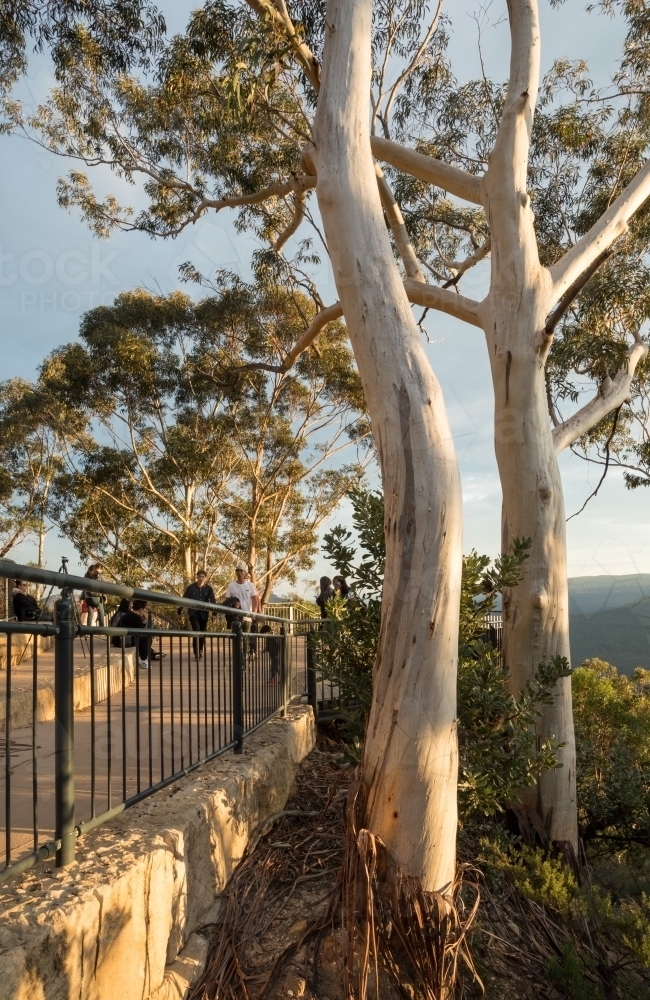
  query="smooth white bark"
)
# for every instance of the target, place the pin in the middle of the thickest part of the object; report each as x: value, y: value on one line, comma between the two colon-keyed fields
x: 410, y: 762
x: 427, y: 168
x: 434, y: 297
x: 396, y: 222
x: 536, y: 620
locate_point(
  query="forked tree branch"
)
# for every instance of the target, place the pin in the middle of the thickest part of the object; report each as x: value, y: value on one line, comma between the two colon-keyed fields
x: 427, y: 168
x: 602, y: 234
x: 463, y: 266
x: 611, y: 395
x: 279, y: 15
x: 434, y: 297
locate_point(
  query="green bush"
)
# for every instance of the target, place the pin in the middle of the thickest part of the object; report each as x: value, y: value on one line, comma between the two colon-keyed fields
x: 497, y: 747
x: 612, y: 724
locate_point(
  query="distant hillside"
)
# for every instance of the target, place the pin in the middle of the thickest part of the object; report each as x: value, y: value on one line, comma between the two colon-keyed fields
x: 588, y: 594
x: 620, y: 635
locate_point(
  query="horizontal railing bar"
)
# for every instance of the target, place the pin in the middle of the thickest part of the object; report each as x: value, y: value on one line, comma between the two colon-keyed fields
x: 155, y: 632
x: 27, y: 628
x: 19, y: 867
x: 35, y: 575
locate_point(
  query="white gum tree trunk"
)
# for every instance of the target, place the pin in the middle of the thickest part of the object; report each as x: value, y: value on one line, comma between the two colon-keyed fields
x: 536, y: 620
x: 410, y: 762
x: 516, y: 317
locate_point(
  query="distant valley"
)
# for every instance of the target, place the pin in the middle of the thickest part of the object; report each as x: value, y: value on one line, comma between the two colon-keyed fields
x: 610, y: 618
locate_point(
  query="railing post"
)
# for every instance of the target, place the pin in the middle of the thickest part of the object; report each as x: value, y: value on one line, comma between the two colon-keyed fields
x: 64, y: 728
x: 312, y: 694
x: 238, y: 686
x: 284, y: 668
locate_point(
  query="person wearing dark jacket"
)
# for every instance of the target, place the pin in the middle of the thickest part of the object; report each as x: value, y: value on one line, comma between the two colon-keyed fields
x: 326, y: 594
x: 199, y: 591
x: 137, y: 618
x: 273, y: 645
x: 26, y: 608
x: 94, y: 602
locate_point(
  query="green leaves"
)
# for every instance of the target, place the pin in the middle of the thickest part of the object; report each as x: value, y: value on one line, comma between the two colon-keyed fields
x: 497, y: 745
x: 192, y: 453
x: 612, y: 723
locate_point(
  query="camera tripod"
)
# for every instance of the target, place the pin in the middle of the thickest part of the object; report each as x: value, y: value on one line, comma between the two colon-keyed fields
x: 63, y: 568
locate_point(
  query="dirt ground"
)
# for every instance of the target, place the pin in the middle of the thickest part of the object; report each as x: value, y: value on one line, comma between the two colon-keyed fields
x: 280, y: 933
x: 281, y: 890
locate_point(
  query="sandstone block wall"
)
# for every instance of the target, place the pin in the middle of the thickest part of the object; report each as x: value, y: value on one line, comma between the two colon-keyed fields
x: 116, y: 924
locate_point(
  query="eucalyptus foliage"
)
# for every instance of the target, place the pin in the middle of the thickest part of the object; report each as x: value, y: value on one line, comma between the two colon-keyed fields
x: 612, y: 722
x: 186, y: 455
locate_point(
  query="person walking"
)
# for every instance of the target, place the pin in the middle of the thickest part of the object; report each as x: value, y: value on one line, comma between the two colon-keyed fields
x: 243, y: 588
x: 232, y: 602
x: 94, y: 602
x: 326, y: 594
x: 200, y: 590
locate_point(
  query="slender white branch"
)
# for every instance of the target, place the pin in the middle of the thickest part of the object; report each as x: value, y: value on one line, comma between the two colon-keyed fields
x: 611, y: 394
x: 427, y: 168
x: 396, y: 223
x: 434, y: 297
x: 279, y: 14
x: 459, y: 268
x: 320, y: 320
x: 602, y: 234
x: 298, y: 216
x: 414, y: 63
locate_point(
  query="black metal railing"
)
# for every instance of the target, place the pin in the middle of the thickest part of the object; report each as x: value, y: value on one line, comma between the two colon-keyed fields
x: 111, y: 715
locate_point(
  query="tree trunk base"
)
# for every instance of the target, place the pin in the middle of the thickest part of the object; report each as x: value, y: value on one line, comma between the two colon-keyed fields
x: 392, y: 927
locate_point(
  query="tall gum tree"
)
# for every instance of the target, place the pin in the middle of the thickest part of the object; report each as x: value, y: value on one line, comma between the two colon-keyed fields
x: 229, y: 123
x: 519, y: 316
x: 410, y: 757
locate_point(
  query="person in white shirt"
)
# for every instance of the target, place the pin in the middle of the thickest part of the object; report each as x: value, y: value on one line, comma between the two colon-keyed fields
x: 245, y: 591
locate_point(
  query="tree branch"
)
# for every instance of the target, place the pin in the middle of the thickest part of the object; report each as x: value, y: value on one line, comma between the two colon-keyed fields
x: 297, y: 183
x: 600, y: 237
x: 298, y: 216
x: 398, y: 228
x: 573, y: 291
x: 320, y: 320
x: 279, y: 15
x: 427, y: 168
x: 462, y: 266
x: 611, y: 394
x: 606, y: 469
x: 434, y: 297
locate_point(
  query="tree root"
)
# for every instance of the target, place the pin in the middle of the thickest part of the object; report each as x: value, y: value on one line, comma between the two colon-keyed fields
x: 391, y: 920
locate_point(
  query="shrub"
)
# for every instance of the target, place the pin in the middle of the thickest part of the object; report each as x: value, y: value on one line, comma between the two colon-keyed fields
x: 612, y: 724
x: 497, y: 747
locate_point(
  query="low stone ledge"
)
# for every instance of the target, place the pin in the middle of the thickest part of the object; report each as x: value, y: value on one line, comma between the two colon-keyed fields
x: 21, y: 698
x: 113, y: 925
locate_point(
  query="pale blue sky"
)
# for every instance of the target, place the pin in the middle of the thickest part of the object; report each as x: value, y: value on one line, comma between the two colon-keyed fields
x: 53, y: 270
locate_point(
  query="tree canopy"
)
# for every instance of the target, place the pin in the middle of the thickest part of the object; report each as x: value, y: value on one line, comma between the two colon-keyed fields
x: 186, y: 456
